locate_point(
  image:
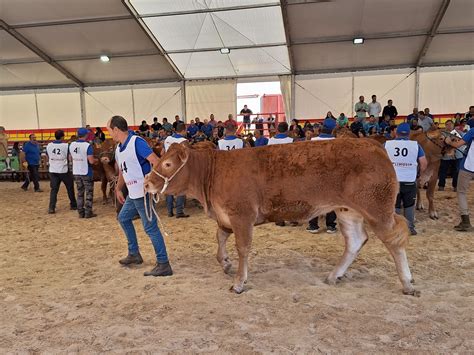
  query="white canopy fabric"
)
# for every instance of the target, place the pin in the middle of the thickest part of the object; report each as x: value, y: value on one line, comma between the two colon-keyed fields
x: 57, y: 43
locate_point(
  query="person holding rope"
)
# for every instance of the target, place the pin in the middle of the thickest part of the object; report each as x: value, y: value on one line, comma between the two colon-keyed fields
x: 134, y: 158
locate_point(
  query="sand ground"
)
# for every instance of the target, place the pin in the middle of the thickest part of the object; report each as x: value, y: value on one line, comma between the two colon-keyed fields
x: 62, y: 289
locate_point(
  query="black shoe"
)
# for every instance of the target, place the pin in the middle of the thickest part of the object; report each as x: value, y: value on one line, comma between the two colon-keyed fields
x: 51, y: 211
x: 170, y: 214
x: 160, y: 270
x: 182, y: 215
x: 73, y: 208
x: 24, y: 188
x: 131, y: 259
x: 280, y: 224
x: 39, y: 190
x: 90, y: 215
x: 81, y: 215
x: 413, y: 231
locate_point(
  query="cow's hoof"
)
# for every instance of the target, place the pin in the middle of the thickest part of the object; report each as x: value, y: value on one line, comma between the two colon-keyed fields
x: 412, y: 281
x: 226, y: 267
x: 412, y: 292
x: 238, y: 289
x: 434, y: 215
x: 331, y: 281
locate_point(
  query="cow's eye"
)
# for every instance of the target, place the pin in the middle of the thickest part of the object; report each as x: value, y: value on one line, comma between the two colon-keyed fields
x: 167, y: 165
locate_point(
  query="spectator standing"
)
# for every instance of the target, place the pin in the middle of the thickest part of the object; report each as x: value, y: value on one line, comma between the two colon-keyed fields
x: 178, y: 137
x: 32, y: 152
x: 374, y: 107
x: 405, y: 156
x: 450, y: 162
x: 466, y: 175
x: 390, y: 110
x: 58, y: 152
x: 361, y: 108
x: 82, y: 160
x: 246, y: 112
x: 424, y: 121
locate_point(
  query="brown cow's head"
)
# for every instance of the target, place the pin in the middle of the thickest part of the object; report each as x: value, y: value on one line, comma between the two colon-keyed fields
x: 438, y: 137
x: 172, y: 167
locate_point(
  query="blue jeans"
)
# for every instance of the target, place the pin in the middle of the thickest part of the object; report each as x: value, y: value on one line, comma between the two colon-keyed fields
x: 129, y: 210
x: 179, y: 204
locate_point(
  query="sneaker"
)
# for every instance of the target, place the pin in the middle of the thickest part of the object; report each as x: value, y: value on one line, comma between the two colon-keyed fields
x: 441, y: 188
x: 313, y: 230
x: 331, y: 230
x: 182, y: 215
x: 51, y: 211
x: 131, y: 259
x: 90, y: 215
x: 161, y: 269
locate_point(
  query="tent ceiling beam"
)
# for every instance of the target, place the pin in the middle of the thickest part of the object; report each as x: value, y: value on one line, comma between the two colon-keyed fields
x: 151, y: 37
x: 31, y: 46
x: 213, y: 49
x: 72, y: 22
x: 434, y: 28
x: 286, y: 26
x: 215, y: 9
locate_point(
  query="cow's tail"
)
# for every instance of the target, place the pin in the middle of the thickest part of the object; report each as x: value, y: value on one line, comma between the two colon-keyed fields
x: 399, y: 234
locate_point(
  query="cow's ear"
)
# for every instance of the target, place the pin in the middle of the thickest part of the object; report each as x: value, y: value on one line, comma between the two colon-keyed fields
x: 183, y: 153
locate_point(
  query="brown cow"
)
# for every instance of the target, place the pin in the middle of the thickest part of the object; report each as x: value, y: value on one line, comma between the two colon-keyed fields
x: 360, y: 185
x: 104, y: 171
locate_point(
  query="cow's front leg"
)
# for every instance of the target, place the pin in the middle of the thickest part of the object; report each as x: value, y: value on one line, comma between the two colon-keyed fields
x: 430, y: 196
x: 243, y: 239
x: 222, y: 256
x: 103, y: 187
x: 419, y: 202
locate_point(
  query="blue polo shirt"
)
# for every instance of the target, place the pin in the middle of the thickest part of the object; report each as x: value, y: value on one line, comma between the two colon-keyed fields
x: 142, y: 150
x: 207, y: 129
x: 192, y: 130
x: 468, y: 138
x: 261, y: 141
x: 281, y: 135
x: 325, y: 135
x: 32, y: 153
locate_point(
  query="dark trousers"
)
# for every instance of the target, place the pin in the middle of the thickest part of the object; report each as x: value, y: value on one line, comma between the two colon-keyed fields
x: 85, y: 188
x: 55, y: 183
x: 32, y: 176
x: 330, y: 221
x: 407, y: 195
x: 444, y: 168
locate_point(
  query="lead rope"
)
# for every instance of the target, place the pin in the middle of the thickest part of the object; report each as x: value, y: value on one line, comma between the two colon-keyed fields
x: 152, y: 209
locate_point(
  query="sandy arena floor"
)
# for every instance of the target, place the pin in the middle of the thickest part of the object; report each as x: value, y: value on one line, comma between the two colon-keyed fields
x: 62, y: 289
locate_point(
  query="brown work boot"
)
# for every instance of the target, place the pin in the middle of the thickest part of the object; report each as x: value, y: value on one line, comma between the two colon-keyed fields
x: 465, y: 224
x: 131, y: 259
x: 161, y: 269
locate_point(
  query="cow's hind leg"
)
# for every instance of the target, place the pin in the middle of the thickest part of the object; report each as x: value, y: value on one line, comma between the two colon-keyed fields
x: 395, y: 238
x: 352, y: 228
x: 430, y: 196
x: 243, y: 239
x: 103, y: 187
x: 222, y: 257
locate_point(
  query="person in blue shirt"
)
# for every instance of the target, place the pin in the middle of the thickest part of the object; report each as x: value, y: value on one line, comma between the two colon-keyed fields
x: 32, y: 152
x: 206, y: 128
x: 259, y: 139
x: 372, y: 125
x: 466, y: 175
x: 192, y: 129
x: 406, y: 155
x: 412, y: 115
x: 134, y: 158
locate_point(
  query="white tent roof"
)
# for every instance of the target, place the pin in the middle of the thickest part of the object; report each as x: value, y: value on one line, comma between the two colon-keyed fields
x: 57, y: 43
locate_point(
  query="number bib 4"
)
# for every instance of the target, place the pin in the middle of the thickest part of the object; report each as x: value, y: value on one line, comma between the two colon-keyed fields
x: 131, y: 169
x: 404, y: 156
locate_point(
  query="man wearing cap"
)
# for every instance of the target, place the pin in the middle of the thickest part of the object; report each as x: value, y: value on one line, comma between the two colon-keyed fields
x: 230, y: 141
x: 178, y: 137
x: 326, y: 133
x: 466, y: 175
x: 405, y: 156
x: 82, y: 160
x: 134, y: 156
x: 57, y: 152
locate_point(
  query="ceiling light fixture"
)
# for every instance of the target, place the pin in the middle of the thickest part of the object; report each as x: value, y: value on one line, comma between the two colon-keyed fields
x: 358, y: 41
x: 104, y: 58
x: 225, y: 50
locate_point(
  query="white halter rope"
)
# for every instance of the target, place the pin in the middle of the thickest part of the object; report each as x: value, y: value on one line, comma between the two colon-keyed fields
x: 168, y: 179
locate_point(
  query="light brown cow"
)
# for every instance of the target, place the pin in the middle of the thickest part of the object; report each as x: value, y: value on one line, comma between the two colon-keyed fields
x: 360, y: 185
